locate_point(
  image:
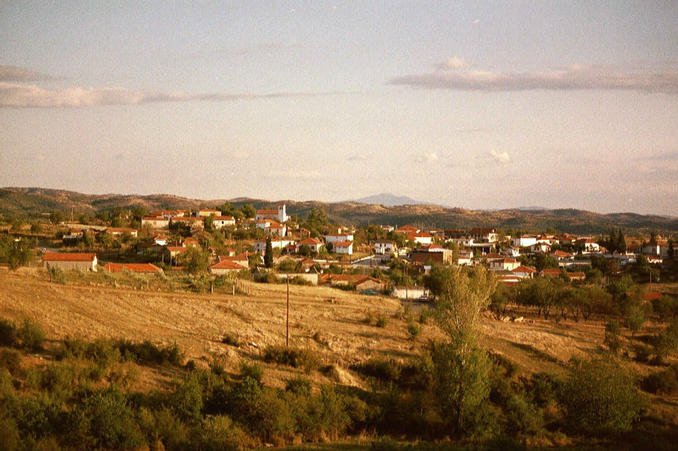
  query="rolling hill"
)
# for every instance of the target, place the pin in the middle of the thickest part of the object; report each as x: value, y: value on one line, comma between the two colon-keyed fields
x: 32, y: 202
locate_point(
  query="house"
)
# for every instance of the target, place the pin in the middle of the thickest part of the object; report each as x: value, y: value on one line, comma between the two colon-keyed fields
x: 524, y: 241
x: 242, y: 259
x: 407, y: 229
x: 509, y: 278
x: 191, y: 242
x: 343, y: 247
x: 271, y: 227
x: 464, y: 257
x: 280, y: 214
x: 414, y: 293
x: 561, y: 255
x: 314, y: 244
x: 155, y: 222
x: 160, y: 240
x: 203, y: 213
x: 339, y: 237
x: 420, y: 238
x: 189, y: 221
x: 226, y: 267
x: 118, y: 231
x: 432, y: 253
x: 276, y: 243
x: 484, y: 235
x: 70, y: 261
x: 143, y: 268
x: 384, y: 247
x: 576, y: 276
x: 540, y: 247
x: 168, y: 213
x: 504, y: 264
x: 359, y: 282
x: 524, y: 272
x: 172, y: 252
x: 219, y: 222
x: 588, y: 245
x: 551, y: 272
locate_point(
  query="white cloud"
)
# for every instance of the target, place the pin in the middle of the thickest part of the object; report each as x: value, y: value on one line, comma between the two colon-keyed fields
x: 32, y: 96
x: 453, y: 63
x: 501, y: 157
x: 20, y: 74
x: 427, y: 158
x: 451, y: 74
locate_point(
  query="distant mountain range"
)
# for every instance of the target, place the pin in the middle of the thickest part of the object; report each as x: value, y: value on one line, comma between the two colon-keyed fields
x: 33, y: 202
x: 388, y: 200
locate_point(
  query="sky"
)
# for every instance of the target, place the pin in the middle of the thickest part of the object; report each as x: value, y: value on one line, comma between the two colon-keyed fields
x: 481, y: 105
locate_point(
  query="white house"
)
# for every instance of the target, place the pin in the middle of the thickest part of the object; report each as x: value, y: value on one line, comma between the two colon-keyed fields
x: 223, y: 221
x: 276, y: 243
x: 314, y: 244
x: 484, y: 235
x: 203, y: 213
x: 421, y: 238
x: 524, y: 241
x: 384, y: 247
x: 504, y: 264
x: 66, y: 261
x: 414, y: 293
x: 524, y: 272
x: 343, y: 247
x: 279, y: 215
x: 338, y: 238
x: 155, y: 222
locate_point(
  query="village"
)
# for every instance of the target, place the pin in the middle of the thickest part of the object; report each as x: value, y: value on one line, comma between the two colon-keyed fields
x: 374, y: 259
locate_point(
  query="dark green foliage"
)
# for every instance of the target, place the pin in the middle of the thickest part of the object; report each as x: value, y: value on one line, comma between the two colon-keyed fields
x: 187, y: 400
x: 612, y: 336
x: 294, y: 357
x: 230, y: 340
x: 662, y: 382
x: 383, y: 370
x: 299, y: 386
x: 413, y: 330
x: 599, y: 396
x: 381, y: 321
x: 268, y: 254
x: 31, y: 335
x: 111, y: 420
x: 7, y: 333
x: 147, y: 353
x: 11, y: 361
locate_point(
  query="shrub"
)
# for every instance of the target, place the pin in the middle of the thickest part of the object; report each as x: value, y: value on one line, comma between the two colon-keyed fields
x: 381, y: 369
x: 7, y: 333
x: 11, y: 361
x: 230, y: 340
x: 665, y: 382
x: 413, y: 330
x: 147, y: 353
x: 612, y: 336
x: 111, y: 420
x: 186, y: 400
x: 31, y: 335
x: 218, y: 433
x: 599, y: 396
x: 253, y: 371
x: 382, y: 321
x: 294, y: 357
x: 522, y: 417
x: 10, y: 439
x: 299, y: 386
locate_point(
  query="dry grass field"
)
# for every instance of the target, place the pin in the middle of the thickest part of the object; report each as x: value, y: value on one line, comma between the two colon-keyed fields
x: 329, y: 321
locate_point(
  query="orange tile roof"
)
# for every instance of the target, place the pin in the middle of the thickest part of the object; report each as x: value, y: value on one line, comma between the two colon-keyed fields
x: 68, y: 257
x: 342, y: 243
x: 523, y: 268
x: 227, y: 264
x: 132, y: 267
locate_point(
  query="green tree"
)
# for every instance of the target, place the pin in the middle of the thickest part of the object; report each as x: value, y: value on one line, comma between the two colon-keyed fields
x: 268, y: 254
x: 461, y: 367
x: 195, y: 260
x: 19, y: 253
x: 248, y: 211
x: 600, y: 396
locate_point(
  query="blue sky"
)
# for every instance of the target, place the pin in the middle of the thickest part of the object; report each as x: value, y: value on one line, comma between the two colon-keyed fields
x: 471, y: 104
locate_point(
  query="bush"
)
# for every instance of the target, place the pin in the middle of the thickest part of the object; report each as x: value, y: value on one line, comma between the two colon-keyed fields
x: 663, y: 382
x: 218, y: 433
x: 381, y: 369
x: 111, y: 421
x: 599, y: 396
x: 294, y: 357
x: 11, y: 361
x: 230, y: 340
x: 413, y: 330
x: 31, y: 335
x: 299, y: 386
x: 146, y: 353
x: 382, y: 321
x: 7, y: 333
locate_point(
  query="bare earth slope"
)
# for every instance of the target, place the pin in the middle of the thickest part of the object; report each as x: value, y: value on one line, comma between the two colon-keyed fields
x: 336, y: 329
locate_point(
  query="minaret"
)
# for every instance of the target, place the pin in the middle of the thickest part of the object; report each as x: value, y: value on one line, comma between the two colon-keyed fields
x: 282, y: 215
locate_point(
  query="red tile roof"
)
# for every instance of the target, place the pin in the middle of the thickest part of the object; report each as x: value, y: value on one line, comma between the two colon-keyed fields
x: 342, y: 243
x: 68, y: 257
x: 523, y: 268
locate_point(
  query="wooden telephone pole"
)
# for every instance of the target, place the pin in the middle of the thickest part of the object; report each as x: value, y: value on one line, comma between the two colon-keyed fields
x: 287, y: 324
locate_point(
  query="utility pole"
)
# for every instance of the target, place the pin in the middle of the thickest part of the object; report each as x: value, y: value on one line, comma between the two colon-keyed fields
x: 287, y: 324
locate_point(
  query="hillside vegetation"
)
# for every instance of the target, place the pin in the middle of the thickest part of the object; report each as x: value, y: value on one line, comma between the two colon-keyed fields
x: 37, y: 201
